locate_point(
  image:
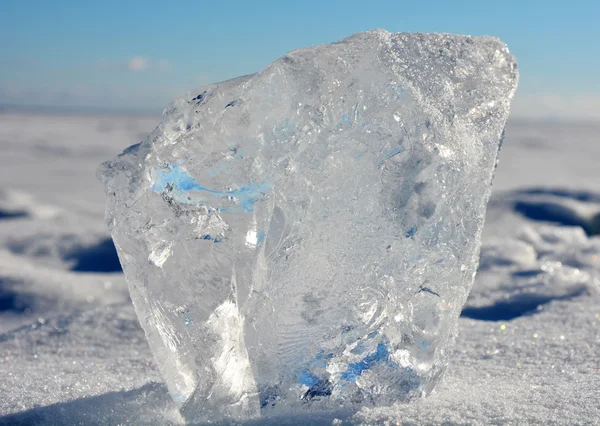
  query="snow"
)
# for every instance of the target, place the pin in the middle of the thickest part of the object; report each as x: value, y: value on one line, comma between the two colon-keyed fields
x: 72, y: 352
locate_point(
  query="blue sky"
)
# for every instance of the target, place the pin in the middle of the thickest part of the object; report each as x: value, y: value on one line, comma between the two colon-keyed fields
x: 141, y: 54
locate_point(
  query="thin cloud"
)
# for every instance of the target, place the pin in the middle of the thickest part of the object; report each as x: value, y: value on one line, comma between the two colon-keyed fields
x: 140, y: 63
x: 137, y: 64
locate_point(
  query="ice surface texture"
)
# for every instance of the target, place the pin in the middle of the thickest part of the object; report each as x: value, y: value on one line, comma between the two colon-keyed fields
x: 304, y: 238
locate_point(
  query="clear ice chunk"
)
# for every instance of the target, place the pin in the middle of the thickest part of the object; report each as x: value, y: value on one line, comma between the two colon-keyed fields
x: 303, y: 239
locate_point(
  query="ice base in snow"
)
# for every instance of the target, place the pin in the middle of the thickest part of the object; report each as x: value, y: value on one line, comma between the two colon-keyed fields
x: 304, y: 238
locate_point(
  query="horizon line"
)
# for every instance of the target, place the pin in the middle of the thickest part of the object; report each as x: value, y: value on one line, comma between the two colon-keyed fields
x: 87, y: 110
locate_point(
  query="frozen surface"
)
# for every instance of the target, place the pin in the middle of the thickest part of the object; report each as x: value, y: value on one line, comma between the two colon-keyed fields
x: 89, y: 363
x: 304, y: 239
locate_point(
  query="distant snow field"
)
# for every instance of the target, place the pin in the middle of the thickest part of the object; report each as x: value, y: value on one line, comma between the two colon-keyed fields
x: 72, y: 352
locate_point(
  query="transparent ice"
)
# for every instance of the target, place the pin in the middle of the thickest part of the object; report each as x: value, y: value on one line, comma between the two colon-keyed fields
x: 303, y: 239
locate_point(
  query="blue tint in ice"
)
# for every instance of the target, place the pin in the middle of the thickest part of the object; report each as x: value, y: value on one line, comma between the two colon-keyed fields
x: 357, y: 368
x: 181, y: 181
x: 305, y: 377
x: 175, y: 175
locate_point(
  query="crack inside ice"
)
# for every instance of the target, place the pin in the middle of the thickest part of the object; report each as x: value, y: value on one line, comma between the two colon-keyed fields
x: 160, y: 254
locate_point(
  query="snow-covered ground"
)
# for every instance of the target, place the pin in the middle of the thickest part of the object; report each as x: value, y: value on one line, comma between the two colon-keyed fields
x: 72, y: 352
